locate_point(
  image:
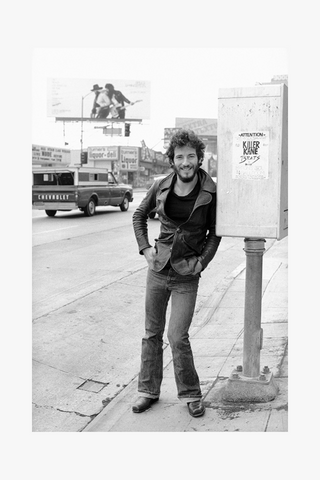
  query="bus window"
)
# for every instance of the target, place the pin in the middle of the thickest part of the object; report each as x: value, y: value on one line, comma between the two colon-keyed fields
x: 66, y: 178
x: 44, y: 179
x: 111, y: 178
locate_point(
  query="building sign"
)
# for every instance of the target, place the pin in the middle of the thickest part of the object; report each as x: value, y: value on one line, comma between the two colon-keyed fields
x: 200, y: 126
x: 145, y: 152
x: 112, y: 131
x: 250, y: 159
x: 103, y: 153
x: 168, y: 133
x: 129, y: 158
x: 206, y: 128
x: 77, y: 98
x: 42, y: 154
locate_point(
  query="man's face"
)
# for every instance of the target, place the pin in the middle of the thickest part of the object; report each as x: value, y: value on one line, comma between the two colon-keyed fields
x: 185, y: 163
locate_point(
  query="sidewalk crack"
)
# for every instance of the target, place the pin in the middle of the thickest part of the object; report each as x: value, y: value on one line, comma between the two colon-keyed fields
x: 270, y: 279
x: 77, y: 413
x: 50, y: 407
x: 268, y: 420
x: 58, y: 369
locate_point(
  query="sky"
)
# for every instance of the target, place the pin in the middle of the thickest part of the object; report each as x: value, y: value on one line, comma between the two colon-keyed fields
x: 184, y: 82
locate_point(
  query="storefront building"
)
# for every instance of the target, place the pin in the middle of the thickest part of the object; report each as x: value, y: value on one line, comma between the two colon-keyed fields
x: 132, y: 165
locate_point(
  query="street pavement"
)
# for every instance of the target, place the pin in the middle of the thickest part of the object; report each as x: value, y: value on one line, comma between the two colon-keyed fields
x: 217, y: 342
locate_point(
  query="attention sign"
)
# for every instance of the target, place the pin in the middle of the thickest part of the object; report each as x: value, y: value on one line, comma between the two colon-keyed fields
x: 250, y: 155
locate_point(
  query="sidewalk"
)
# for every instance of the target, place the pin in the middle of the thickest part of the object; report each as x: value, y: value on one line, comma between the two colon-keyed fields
x: 217, y: 344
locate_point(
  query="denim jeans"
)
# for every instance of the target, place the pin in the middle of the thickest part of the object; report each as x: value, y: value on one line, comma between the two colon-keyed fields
x: 183, y: 292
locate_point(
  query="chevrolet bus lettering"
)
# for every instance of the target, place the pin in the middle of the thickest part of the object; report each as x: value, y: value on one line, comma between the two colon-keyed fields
x: 72, y: 188
x: 45, y: 196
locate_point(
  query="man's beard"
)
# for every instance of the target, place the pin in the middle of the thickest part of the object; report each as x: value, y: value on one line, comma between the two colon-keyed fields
x: 189, y: 178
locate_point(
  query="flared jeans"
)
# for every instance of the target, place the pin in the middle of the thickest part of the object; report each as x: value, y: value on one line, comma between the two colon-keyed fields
x: 183, y: 292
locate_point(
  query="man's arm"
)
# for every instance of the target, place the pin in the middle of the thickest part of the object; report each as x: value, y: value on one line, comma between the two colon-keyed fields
x: 123, y: 98
x: 210, y: 248
x: 140, y: 218
x: 212, y: 241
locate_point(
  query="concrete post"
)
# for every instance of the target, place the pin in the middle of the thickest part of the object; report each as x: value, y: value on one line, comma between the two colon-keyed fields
x: 252, y: 336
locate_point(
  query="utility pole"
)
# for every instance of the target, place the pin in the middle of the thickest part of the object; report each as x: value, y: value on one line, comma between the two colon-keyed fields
x: 253, y: 334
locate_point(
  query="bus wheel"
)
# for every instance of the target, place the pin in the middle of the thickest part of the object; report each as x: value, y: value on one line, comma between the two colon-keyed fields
x: 90, y: 208
x: 125, y: 204
x: 51, y: 213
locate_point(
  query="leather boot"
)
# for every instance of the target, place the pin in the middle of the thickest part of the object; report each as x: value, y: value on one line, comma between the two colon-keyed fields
x: 143, y: 404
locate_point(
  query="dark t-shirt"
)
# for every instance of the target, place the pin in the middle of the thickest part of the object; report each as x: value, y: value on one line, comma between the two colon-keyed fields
x: 179, y: 208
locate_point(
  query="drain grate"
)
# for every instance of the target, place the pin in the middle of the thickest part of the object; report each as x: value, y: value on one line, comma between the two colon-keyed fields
x: 92, y: 386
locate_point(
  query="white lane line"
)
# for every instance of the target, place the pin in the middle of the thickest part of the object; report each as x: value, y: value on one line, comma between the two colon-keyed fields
x: 57, y: 230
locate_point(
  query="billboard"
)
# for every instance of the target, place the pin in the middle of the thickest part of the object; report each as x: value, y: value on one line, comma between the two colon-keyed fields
x: 94, y: 99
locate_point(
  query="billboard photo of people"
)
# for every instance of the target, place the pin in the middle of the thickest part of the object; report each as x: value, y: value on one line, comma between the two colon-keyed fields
x: 98, y: 99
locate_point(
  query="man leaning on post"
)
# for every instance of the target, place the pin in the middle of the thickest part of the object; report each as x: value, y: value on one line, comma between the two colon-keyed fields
x: 185, y: 202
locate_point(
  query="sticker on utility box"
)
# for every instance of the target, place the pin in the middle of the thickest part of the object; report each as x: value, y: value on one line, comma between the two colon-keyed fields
x: 250, y: 160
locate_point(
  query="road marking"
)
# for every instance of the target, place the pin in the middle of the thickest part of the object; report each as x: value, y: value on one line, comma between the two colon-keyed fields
x: 57, y: 230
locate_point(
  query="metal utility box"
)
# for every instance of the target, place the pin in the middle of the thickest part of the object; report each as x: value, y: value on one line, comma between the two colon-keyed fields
x: 252, y: 177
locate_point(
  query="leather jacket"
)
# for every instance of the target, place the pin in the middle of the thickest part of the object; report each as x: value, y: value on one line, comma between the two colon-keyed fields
x: 184, y: 244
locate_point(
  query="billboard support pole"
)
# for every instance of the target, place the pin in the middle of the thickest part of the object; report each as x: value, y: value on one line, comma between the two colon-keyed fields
x: 81, y: 137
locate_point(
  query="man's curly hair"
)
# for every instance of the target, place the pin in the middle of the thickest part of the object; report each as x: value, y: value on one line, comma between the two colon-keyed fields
x: 186, y: 138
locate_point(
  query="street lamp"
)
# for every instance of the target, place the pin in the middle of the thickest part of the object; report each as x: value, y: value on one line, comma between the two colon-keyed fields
x: 81, y: 139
